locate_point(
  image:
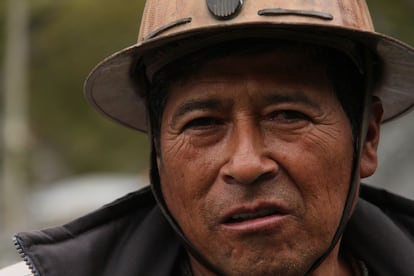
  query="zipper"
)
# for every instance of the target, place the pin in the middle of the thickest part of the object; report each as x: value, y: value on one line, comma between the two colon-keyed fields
x: 18, y: 244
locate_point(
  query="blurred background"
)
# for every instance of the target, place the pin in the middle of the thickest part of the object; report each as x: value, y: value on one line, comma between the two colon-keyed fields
x: 59, y: 158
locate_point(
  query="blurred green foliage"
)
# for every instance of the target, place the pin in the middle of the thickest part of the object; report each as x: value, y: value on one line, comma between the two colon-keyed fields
x: 395, y: 18
x: 68, y: 38
x: 2, y: 34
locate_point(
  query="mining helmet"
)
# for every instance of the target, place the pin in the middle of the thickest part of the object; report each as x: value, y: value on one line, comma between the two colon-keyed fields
x: 176, y: 27
x: 173, y: 29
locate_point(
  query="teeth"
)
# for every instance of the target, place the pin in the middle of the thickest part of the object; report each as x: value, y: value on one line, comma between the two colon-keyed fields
x: 247, y: 216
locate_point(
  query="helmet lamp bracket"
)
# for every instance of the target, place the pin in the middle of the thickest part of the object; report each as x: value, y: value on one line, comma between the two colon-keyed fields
x: 224, y: 9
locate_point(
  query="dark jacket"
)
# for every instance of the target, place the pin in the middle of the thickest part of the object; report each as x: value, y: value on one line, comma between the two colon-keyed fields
x: 130, y: 237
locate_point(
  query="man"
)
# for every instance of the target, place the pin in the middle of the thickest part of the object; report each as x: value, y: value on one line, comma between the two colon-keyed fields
x: 263, y: 117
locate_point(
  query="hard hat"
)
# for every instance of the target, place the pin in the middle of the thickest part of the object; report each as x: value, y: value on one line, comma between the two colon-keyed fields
x: 111, y: 88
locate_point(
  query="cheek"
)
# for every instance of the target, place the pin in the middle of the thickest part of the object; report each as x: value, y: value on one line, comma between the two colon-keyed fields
x: 319, y: 164
x: 187, y: 176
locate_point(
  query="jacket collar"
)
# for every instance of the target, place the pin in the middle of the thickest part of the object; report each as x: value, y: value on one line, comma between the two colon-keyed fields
x: 131, y: 237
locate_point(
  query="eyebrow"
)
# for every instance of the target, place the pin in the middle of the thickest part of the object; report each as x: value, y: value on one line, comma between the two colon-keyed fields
x: 291, y: 97
x: 211, y: 104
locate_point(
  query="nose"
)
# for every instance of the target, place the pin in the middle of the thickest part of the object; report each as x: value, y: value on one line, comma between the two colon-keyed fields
x: 249, y: 161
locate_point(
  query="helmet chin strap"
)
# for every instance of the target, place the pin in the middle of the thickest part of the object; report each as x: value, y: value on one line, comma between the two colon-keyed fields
x: 351, y: 197
x: 353, y: 190
x: 157, y: 192
x: 359, y: 139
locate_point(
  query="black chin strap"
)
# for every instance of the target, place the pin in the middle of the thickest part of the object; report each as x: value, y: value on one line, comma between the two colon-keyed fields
x: 157, y: 192
x: 352, y: 196
x: 359, y: 139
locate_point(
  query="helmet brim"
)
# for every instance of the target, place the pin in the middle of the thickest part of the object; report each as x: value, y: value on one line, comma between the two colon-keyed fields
x: 110, y: 88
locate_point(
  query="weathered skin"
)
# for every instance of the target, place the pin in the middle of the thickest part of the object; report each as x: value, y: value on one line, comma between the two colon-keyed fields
x: 248, y: 134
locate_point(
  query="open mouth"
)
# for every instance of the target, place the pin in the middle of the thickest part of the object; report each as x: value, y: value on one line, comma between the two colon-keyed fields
x: 266, y: 217
x: 241, y: 217
x: 262, y: 212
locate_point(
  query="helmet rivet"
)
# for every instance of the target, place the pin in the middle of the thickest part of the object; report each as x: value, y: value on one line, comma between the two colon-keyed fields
x: 224, y: 9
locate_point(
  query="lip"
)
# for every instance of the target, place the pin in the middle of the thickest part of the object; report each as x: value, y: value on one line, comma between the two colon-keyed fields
x: 263, y: 217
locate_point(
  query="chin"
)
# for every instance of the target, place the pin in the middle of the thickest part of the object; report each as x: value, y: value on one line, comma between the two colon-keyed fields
x: 266, y: 263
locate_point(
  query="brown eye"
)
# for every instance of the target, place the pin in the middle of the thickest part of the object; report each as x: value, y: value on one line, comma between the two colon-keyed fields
x: 287, y: 116
x: 203, y: 123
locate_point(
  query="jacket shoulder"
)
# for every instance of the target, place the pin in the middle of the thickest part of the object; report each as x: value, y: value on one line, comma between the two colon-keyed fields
x: 125, y: 238
x: 398, y: 208
x: 18, y: 269
x: 381, y: 232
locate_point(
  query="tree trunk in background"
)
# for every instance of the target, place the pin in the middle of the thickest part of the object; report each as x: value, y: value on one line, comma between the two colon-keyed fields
x: 14, y: 124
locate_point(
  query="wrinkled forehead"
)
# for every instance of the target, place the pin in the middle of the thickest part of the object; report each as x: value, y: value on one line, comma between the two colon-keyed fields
x: 259, y: 77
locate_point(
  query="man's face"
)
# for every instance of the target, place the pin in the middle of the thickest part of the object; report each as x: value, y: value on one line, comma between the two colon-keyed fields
x: 255, y: 162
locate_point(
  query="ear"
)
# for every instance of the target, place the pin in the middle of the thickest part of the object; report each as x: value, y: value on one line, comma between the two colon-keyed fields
x: 156, y: 146
x: 369, y: 157
x: 158, y: 162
